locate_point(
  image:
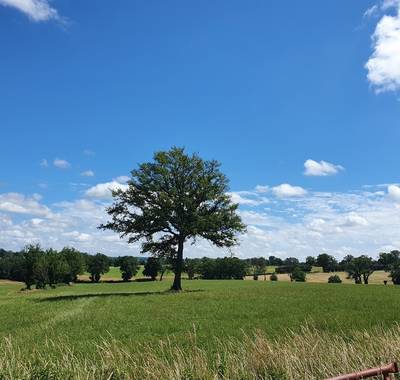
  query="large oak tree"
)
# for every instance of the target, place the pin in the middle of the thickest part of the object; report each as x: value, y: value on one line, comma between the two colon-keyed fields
x: 172, y: 200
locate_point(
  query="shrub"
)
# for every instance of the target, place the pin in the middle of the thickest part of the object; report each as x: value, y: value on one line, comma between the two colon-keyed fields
x: 273, y: 277
x: 335, y: 279
x: 298, y: 275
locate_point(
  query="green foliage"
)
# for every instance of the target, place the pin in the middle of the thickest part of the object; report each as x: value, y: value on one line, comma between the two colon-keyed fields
x: 273, y: 277
x: 76, y: 263
x: 31, y: 257
x: 57, y: 267
x: 192, y: 267
x: 226, y: 268
x: 388, y: 260
x: 257, y: 266
x: 152, y: 268
x: 298, y: 275
x: 335, y: 279
x: 172, y: 200
x: 395, y: 273
x: 327, y: 262
x: 129, y: 267
x: 97, y: 265
x: 360, y: 268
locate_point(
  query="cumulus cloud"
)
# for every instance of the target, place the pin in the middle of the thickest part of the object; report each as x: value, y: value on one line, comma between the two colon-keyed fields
x: 61, y: 164
x: 87, y: 173
x: 104, y: 190
x: 286, y: 191
x: 394, y: 192
x: 339, y: 223
x: 353, y: 220
x: 384, y: 64
x: 321, y: 168
x: 36, y: 10
x: 20, y: 204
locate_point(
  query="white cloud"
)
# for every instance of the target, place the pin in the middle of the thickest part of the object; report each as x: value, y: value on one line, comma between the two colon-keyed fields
x: 21, y: 204
x: 371, y: 11
x: 247, y: 198
x: 103, y: 190
x: 338, y: 223
x: 36, y: 10
x: 321, y: 168
x: 43, y: 163
x: 87, y: 173
x: 61, y: 164
x: 384, y: 64
x: 286, y: 191
x: 262, y: 189
x: 394, y: 192
x: 353, y: 219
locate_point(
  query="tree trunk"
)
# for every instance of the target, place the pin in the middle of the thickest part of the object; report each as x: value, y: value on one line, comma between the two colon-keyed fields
x: 177, y: 285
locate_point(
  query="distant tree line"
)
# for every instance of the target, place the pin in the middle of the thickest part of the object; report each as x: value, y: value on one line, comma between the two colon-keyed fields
x: 40, y: 268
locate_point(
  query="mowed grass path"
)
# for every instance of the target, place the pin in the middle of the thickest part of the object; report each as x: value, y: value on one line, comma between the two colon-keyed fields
x: 82, y: 314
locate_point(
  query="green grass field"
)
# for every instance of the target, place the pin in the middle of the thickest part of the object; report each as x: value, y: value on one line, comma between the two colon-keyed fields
x: 82, y: 316
x: 139, y: 312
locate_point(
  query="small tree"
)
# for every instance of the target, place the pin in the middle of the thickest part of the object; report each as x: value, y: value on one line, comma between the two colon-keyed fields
x: 360, y: 268
x: 172, y: 200
x: 76, y: 263
x: 31, y: 256
x: 97, y: 265
x: 152, y: 268
x: 335, y: 279
x: 129, y: 266
x: 298, y: 275
x: 57, y: 267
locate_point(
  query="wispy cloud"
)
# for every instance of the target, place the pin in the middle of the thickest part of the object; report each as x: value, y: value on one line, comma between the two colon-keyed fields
x: 36, y: 10
x: 88, y: 152
x: 87, y: 173
x: 61, y: 164
x: 321, y: 168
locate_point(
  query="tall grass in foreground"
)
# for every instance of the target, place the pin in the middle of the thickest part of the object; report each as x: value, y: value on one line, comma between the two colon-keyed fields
x: 311, y: 354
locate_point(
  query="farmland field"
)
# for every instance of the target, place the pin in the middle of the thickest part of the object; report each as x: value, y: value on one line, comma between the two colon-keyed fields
x: 133, y: 314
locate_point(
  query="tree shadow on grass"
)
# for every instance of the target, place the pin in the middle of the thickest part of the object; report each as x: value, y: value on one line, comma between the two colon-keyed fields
x: 72, y: 297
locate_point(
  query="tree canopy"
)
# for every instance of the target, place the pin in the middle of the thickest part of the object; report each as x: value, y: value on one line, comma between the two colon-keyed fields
x: 172, y: 200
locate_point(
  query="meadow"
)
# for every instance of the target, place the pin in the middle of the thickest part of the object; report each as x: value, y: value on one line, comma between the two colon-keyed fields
x: 210, y: 319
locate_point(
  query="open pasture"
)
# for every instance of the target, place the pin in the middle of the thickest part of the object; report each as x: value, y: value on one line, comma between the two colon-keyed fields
x: 113, y: 330
x: 141, y: 312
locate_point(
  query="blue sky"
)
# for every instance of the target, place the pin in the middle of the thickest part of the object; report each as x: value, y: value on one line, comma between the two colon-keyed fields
x: 270, y: 89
